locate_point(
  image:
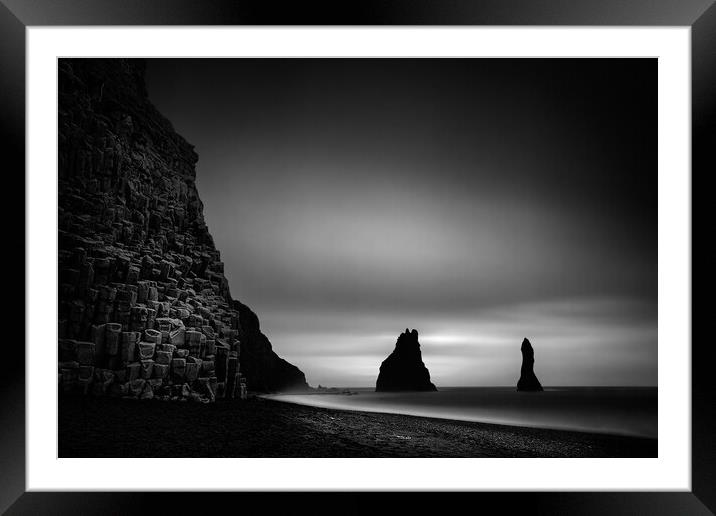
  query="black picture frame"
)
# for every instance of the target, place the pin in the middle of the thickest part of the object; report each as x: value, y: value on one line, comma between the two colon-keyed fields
x: 700, y: 15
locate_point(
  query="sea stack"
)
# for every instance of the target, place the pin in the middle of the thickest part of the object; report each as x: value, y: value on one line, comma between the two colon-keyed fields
x: 404, y: 369
x: 528, y: 381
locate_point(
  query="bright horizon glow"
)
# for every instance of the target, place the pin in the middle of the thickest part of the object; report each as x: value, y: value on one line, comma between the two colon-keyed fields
x: 480, y: 349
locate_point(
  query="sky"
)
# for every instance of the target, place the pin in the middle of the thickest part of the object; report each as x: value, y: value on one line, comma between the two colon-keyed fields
x: 479, y: 201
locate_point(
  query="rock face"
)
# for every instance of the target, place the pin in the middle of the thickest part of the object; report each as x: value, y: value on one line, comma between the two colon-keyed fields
x: 528, y: 381
x: 404, y: 369
x: 264, y: 370
x: 144, y: 306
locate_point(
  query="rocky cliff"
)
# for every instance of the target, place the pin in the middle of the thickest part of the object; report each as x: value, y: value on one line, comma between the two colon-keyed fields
x: 404, y: 369
x: 144, y: 306
x: 528, y: 380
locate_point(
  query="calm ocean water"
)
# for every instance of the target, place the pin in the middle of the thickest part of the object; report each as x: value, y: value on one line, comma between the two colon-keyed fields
x: 612, y: 410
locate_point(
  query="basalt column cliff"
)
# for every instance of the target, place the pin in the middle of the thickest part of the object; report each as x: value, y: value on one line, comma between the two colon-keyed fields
x: 144, y: 306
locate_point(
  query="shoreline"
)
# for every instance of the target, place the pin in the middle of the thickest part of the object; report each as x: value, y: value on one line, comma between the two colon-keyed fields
x: 259, y: 427
x: 482, y: 421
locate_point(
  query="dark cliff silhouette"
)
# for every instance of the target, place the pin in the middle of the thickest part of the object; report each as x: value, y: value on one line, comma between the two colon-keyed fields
x: 404, y: 369
x: 263, y: 368
x: 528, y: 381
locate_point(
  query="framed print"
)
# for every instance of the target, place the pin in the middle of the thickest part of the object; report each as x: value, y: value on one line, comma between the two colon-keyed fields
x: 436, y: 248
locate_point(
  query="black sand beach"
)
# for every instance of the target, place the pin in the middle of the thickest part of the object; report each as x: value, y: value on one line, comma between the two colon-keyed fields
x: 91, y: 427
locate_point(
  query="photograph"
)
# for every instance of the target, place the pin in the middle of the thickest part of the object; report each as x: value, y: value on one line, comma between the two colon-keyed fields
x: 357, y: 257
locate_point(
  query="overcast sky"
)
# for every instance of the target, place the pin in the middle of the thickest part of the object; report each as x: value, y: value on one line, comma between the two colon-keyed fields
x: 478, y: 200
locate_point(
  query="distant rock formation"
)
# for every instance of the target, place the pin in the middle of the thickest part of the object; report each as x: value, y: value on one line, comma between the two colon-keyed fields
x: 528, y: 381
x: 404, y: 369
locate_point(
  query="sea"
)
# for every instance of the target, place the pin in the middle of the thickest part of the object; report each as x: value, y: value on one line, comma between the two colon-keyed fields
x: 628, y: 411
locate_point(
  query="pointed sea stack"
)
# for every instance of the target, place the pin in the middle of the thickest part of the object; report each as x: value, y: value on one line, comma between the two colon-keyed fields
x: 528, y: 381
x: 404, y: 369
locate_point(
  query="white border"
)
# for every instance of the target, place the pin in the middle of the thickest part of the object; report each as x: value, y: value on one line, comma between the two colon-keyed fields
x: 671, y: 471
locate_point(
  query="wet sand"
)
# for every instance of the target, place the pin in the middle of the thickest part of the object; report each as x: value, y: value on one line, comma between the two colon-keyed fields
x: 91, y: 427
